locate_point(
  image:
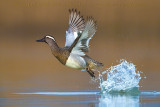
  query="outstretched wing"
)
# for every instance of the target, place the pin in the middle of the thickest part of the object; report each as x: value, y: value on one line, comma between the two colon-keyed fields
x: 83, y: 43
x: 76, y: 25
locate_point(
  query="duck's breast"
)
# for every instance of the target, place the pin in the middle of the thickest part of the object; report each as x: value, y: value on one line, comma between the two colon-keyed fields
x: 76, y: 61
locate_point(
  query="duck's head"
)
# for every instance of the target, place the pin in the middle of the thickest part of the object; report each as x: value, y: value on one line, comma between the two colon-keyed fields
x: 47, y: 39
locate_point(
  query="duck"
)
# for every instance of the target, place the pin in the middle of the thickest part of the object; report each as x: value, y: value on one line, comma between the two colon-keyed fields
x: 78, y: 35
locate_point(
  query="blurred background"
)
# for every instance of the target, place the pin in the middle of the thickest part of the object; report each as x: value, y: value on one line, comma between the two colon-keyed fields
x: 127, y: 29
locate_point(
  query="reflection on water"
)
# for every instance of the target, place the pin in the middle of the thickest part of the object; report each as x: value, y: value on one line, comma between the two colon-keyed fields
x: 86, y: 99
x: 146, y: 99
x: 105, y: 100
x: 119, y: 100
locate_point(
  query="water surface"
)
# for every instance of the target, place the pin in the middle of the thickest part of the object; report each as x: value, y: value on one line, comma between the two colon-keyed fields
x: 81, y: 99
x: 120, y: 89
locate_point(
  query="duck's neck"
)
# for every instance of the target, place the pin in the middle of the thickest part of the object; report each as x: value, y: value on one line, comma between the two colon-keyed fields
x: 54, y: 48
x: 58, y: 52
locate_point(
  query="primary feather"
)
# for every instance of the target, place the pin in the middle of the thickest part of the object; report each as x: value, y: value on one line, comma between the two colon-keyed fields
x: 83, y: 43
x: 76, y: 25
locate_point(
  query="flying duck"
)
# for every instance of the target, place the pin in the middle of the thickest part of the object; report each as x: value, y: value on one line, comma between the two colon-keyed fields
x: 78, y: 36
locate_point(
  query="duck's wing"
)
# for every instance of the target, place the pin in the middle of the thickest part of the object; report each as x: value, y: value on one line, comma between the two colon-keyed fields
x: 82, y: 45
x: 76, y: 25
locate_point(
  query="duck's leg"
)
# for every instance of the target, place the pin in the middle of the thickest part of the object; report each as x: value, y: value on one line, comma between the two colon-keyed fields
x: 91, y: 73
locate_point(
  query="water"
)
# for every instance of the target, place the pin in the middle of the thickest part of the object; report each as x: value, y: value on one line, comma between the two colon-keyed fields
x: 31, y: 77
x: 120, y: 89
x: 122, y: 77
x: 84, y: 99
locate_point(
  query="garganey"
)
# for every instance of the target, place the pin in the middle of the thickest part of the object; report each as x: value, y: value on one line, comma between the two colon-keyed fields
x: 77, y: 44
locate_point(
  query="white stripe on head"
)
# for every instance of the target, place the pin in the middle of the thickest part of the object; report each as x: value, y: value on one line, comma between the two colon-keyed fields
x: 51, y: 37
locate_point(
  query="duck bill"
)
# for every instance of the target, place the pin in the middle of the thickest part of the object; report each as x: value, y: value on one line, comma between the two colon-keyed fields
x: 41, y: 40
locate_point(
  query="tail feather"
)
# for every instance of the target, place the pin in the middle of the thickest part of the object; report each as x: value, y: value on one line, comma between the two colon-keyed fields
x: 92, y: 64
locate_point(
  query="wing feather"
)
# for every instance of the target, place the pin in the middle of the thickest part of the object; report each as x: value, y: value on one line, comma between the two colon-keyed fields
x: 76, y: 25
x: 82, y: 45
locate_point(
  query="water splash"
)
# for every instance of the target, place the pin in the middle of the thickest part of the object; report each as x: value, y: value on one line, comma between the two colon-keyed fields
x: 120, y: 78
